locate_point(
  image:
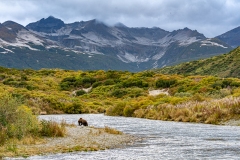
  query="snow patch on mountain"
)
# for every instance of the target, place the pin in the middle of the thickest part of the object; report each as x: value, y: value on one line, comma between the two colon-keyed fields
x: 188, y: 41
x: 18, y: 43
x: 127, y: 57
x: 27, y: 36
x: 183, y: 39
x: 207, y: 42
x: 155, y: 65
x: 158, y: 56
x: 6, y: 50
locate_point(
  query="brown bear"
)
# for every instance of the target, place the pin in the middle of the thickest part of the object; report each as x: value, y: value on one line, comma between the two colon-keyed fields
x: 82, y: 122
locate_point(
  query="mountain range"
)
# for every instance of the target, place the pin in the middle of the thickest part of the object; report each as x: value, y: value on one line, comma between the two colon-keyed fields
x: 93, y: 45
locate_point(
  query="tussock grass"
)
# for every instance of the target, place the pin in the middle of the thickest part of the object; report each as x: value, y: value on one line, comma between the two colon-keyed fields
x: 112, y: 130
x: 52, y: 129
x: 106, y: 129
x: 211, y: 111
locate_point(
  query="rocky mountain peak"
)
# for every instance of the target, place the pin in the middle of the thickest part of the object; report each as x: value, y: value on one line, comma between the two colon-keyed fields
x: 48, y: 25
x: 7, y: 34
x: 15, y: 27
x: 187, y: 33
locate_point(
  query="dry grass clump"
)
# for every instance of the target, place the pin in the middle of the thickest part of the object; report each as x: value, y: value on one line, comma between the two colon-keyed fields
x: 106, y: 129
x: 211, y: 112
x: 52, y: 129
x: 111, y: 130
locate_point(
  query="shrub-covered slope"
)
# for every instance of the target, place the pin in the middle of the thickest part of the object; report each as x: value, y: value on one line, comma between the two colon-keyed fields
x: 226, y: 65
x: 206, y: 99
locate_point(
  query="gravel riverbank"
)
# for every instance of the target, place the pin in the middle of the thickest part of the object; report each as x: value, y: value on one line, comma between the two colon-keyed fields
x: 232, y: 122
x: 77, y: 138
x: 89, y: 138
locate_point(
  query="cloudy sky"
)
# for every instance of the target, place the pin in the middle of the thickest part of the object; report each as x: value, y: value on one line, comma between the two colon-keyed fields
x: 210, y: 17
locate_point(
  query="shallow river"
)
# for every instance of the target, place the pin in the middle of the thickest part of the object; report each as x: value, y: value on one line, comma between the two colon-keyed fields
x: 163, y: 140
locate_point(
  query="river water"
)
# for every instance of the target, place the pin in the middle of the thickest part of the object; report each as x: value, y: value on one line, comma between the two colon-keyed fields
x: 162, y: 140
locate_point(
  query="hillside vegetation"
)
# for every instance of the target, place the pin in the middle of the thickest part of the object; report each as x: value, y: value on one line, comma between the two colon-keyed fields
x: 205, y: 99
x: 226, y: 65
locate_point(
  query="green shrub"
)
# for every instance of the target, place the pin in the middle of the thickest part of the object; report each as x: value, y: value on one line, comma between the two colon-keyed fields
x: 135, y: 92
x: 134, y: 83
x: 2, y: 77
x: 68, y: 83
x: 80, y: 92
x: 25, y: 123
x: 109, y: 82
x: 96, y: 84
x: 88, y: 80
x: 73, y: 108
x: 165, y: 83
x: 128, y: 111
x: 183, y: 94
x: 116, y: 110
x: 113, y: 74
x: 8, y: 108
x: 16, y: 120
x: 119, y: 93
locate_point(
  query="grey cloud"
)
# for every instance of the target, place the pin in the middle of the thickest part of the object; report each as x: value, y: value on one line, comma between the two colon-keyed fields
x: 210, y: 17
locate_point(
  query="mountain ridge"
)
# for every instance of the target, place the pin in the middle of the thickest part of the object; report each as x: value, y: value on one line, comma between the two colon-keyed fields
x: 137, y: 48
x: 231, y: 37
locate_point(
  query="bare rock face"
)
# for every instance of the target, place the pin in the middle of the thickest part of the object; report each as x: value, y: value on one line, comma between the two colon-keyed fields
x: 7, y: 34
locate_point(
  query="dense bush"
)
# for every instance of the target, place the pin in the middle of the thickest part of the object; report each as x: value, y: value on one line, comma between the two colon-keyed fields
x: 80, y: 92
x: 2, y: 76
x: 88, y: 80
x: 109, y: 82
x: 113, y: 74
x: 96, y: 84
x: 119, y: 93
x: 73, y: 108
x: 68, y: 83
x: 116, y: 110
x: 134, y: 83
x: 16, y: 120
x: 165, y: 83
